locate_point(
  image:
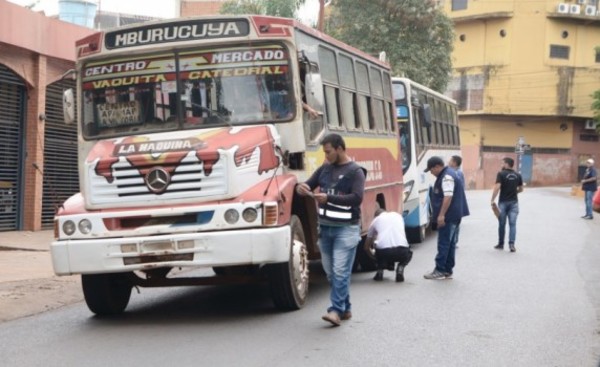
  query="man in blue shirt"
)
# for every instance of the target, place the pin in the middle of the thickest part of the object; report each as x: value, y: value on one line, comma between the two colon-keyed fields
x: 454, y: 163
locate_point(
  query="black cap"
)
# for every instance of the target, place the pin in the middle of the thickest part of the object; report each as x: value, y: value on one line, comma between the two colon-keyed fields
x: 434, y: 161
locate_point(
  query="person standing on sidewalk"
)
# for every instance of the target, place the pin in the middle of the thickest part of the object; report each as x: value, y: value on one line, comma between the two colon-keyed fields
x: 449, y: 205
x: 589, y: 185
x: 386, y: 235
x: 341, y: 184
x: 509, y: 184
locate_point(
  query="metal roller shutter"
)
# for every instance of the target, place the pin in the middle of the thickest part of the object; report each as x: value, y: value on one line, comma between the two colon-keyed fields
x: 60, y: 154
x: 12, y: 93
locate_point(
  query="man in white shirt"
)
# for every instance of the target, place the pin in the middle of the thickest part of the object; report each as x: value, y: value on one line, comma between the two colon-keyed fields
x: 386, y: 235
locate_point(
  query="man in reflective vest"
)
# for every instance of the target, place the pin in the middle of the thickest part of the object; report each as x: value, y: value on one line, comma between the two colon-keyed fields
x: 341, y: 184
x: 449, y: 205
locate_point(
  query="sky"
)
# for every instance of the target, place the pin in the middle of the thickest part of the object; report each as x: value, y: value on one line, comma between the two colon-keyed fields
x: 162, y: 8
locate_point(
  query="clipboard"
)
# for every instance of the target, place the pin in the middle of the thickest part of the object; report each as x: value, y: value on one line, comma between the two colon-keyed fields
x: 496, y: 210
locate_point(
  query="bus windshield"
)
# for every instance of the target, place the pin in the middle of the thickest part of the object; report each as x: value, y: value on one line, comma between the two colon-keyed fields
x: 191, y: 89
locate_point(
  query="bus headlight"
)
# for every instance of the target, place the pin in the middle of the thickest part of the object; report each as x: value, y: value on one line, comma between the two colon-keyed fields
x: 85, y: 226
x: 249, y: 215
x: 231, y: 216
x: 69, y: 227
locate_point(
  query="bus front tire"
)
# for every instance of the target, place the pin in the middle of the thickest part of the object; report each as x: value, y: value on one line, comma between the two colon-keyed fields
x: 289, y: 281
x: 106, y: 294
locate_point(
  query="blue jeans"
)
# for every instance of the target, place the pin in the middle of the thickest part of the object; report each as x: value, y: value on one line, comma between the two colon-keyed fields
x: 338, y: 249
x: 508, y: 209
x: 588, y: 203
x: 444, y: 260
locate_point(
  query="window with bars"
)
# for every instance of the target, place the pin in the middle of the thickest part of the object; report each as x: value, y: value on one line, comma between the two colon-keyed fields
x: 559, y: 52
x: 459, y: 4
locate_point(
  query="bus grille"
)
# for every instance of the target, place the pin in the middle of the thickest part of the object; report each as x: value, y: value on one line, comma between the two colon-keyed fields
x: 188, y: 181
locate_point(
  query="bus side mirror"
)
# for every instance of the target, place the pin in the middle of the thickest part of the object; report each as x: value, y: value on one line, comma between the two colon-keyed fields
x: 425, y: 115
x: 68, y: 106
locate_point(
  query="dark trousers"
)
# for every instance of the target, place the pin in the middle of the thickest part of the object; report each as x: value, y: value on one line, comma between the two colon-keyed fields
x: 391, y: 255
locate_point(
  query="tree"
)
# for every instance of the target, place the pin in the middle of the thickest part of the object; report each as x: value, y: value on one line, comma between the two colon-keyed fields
x: 596, y: 109
x: 415, y: 34
x: 278, y: 8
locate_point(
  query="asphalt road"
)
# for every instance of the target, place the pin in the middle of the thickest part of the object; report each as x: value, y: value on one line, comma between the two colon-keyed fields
x: 536, y: 307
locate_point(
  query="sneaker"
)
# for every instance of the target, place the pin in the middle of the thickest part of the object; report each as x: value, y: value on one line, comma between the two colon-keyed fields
x: 333, y: 318
x: 587, y: 217
x: 346, y: 316
x: 378, y: 276
x: 435, y: 275
x: 499, y: 247
x: 400, y: 273
x: 448, y: 275
x: 512, y: 248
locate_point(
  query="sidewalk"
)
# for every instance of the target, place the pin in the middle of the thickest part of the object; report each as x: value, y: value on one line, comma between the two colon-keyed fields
x: 27, y: 241
x: 25, y: 255
x: 28, y: 284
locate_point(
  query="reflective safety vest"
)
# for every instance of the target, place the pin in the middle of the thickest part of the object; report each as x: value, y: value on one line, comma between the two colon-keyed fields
x: 341, y: 214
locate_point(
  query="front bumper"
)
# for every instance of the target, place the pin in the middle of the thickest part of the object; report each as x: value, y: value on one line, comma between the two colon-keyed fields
x: 201, y: 249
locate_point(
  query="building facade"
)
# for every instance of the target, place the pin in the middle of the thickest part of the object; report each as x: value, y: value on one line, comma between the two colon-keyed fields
x: 189, y: 8
x: 524, y: 73
x: 38, y: 152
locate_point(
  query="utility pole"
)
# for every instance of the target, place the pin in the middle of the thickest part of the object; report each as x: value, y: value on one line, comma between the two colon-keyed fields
x: 320, y: 23
x: 519, y: 151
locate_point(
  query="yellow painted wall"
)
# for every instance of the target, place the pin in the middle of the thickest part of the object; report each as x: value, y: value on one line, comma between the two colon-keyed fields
x: 547, y: 133
x: 539, y: 134
x: 469, y: 52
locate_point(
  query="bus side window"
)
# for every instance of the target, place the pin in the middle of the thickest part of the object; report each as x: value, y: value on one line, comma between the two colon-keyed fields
x: 312, y: 94
x: 425, y: 115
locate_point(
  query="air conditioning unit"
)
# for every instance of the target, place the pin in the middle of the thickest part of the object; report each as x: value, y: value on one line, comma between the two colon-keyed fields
x: 575, y: 9
x: 590, y: 10
x: 562, y: 8
x: 590, y: 125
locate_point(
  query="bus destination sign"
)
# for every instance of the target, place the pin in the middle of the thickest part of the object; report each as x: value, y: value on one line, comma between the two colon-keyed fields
x: 176, y: 31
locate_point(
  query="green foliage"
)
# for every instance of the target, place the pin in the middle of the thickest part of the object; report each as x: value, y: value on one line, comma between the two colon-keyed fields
x: 596, y: 109
x: 415, y: 34
x: 279, y: 8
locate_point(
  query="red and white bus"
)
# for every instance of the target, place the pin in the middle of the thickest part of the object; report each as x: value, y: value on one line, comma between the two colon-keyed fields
x: 192, y: 138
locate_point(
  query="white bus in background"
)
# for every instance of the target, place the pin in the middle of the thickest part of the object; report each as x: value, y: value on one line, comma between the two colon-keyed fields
x: 428, y: 126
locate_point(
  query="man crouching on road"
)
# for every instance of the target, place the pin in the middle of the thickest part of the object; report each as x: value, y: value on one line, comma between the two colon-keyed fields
x: 386, y: 235
x: 341, y: 184
x: 449, y: 206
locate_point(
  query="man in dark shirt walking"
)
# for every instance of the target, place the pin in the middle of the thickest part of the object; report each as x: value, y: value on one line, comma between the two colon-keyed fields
x: 508, y: 183
x: 341, y: 184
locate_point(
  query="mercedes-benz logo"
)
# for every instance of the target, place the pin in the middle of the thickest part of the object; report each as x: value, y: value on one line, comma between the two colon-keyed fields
x: 157, y: 180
